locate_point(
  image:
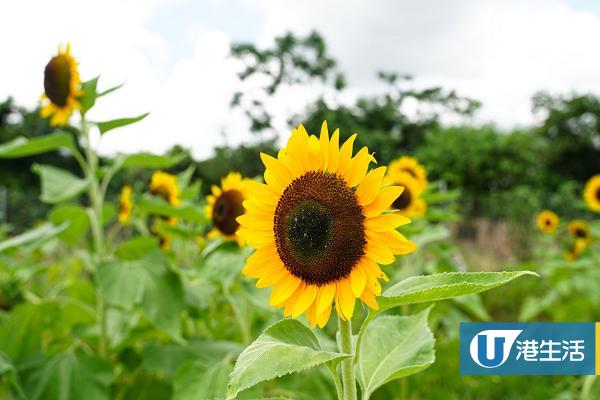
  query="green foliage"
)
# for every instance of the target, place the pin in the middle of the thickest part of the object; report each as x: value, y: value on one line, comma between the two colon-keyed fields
x: 58, y: 185
x: 117, y: 123
x: 23, y: 147
x: 285, y: 347
x: 394, y: 347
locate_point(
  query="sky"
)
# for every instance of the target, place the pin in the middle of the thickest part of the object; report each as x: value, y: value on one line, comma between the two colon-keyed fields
x: 173, y: 56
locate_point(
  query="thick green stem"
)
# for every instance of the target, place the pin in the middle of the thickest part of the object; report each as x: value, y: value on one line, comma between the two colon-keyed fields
x: 96, y: 198
x: 348, y: 378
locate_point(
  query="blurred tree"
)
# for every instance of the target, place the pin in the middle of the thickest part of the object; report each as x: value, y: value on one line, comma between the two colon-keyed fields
x: 572, y: 123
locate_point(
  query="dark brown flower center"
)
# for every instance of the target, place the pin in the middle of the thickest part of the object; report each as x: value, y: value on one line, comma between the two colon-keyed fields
x: 227, y: 208
x: 404, y: 200
x: 319, y: 228
x: 580, y: 233
x: 548, y: 222
x: 598, y: 194
x: 57, y: 80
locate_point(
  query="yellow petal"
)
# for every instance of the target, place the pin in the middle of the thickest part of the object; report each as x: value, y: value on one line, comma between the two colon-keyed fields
x: 291, y: 303
x: 378, y: 253
x: 324, y: 317
x: 262, y: 193
x: 370, y: 185
x: 346, y: 298
x: 256, y: 238
x: 271, y: 278
x: 254, y: 221
x: 284, y: 289
x: 306, y: 299
x: 386, y: 222
x: 369, y: 299
x: 358, y: 280
x: 382, y: 201
x: 345, y: 155
x: 358, y: 167
x: 326, y: 294
x: 334, y: 151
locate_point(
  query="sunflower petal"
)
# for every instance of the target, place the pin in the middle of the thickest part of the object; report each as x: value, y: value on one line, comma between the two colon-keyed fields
x: 386, y: 222
x: 382, y: 201
x: 305, y: 300
x: 358, y: 280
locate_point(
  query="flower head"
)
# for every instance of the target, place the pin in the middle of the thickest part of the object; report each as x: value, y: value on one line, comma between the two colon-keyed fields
x: 225, y: 204
x: 411, y: 166
x: 61, y: 88
x: 577, y: 247
x: 125, y: 204
x: 319, y: 228
x: 547, y: 221
x: 409, y: 202
x: 165, y: 185
x: 580, y: 230
x: 591, y: 193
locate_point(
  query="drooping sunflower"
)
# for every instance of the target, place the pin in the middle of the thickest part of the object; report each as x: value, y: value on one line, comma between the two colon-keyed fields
x: 575, y: 250
x: 407, y: 203
x: 580, y: 230
x: 411, y: 166
x: 62, y: 87
x: 125, y: 204
x: 165, y: 185
x: 591, y: 193
x: 319, y: 228
x: 547, y: 221
x: 225, y: 204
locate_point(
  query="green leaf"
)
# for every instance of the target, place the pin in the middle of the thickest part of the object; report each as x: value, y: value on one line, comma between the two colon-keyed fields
x: 88, y: 99
x: 9, y: 374
x: 76, y: 218
x: 184, y: 178
x: 473, y: 305
x: 112, y: 89
x: 197, y: 380
x: 71, y: 375
x: 147, y: 160
x: 285, y: 347
x: 158, y: 206
x: 394, y: 347
x: 435, y: 287
x: 57, y: 184
x: 23, y: 147
x: 34, y: 237
x: 136, y: 248
x: 149, y: 283
x: 117, y: 123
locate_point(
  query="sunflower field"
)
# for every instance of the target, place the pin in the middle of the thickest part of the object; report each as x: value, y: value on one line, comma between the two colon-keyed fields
x: 328, y: 264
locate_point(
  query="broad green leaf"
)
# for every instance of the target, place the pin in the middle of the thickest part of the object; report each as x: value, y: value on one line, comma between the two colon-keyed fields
x: 136, y: 248
x: 157, y: 206
x: 71, y: 375
x: 35, y: 237
x: 110, y: 90
x: 197, y: 380
x: 148, y: 160
x: 57, y: 184
x: 117, y: 123
x: 149, y: 283
x: 77, y: 219
x: 435, y: 287
x: 88, y: 98
x: 23, y: 147
x: 287, y: 346
x: 393, y: 347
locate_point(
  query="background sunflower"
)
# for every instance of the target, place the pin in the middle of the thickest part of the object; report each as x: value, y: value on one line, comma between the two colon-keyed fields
x: 547, y: 221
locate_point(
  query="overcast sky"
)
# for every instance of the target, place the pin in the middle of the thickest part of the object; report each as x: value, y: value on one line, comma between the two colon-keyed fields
x: 173, y: 55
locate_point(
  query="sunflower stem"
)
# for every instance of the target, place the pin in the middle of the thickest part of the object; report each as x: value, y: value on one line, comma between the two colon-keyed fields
x: 348, y: 378
x: 336, y: 380
x: 96, y: 198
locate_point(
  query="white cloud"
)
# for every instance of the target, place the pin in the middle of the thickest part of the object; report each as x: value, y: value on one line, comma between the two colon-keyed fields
x: 499, y: 52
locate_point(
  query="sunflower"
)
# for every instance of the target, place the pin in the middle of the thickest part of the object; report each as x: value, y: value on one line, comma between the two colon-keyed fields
x: 165, y: 185
x: 411, y: 166
x: 591, y: 193
x: 575, y: 250
x: 580, y: 230
x: 125, y: 204
x: 547, y: 221
x: 61, y: 88
x: 319, y: 229
x: 224, y: 205
x: 408, y: 202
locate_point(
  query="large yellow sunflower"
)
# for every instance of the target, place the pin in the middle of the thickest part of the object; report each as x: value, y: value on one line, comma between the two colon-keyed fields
x: 547, y: 221
x: 165, y: 185
x: 125, y: 204
x: 61, y: 88
x: 319, y: 229
x: 409, y: 202
x: 580, y: 230
x: 225, y: 204
x: 411, y: 166
x: 591, y: 193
